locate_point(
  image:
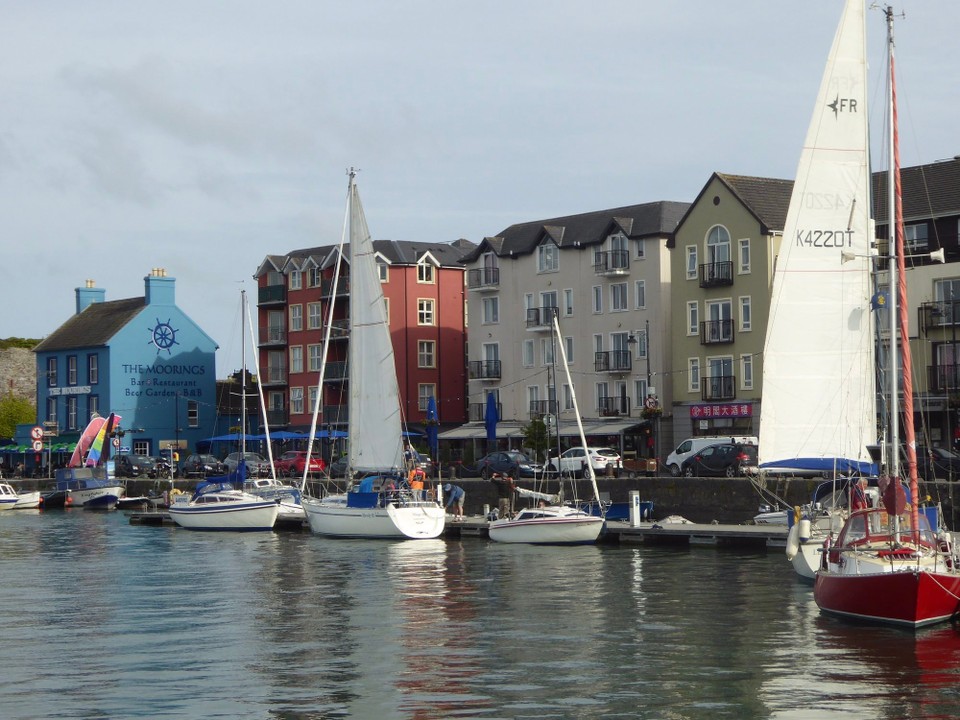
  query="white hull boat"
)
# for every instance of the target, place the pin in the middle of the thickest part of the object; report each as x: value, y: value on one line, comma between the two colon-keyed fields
x: 551, y: 525
x: 8, y: 497
x: 28, y: 500
x: 225, y: 510
x: 94, y: 498
x: 336, y: 517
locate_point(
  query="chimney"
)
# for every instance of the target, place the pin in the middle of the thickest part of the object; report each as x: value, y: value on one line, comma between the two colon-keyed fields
x: 88, y: 295
x: 158, y: 288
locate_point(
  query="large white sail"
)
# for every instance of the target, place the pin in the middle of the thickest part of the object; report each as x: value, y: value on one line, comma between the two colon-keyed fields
x: 374, y: 409
x: 819, y: 396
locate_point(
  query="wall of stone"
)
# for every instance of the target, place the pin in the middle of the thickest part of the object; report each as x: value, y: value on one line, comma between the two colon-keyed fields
x: 18, y: 373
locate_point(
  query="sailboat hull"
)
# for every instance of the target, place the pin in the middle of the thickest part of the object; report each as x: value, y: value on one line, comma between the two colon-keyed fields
x: 333, y: 517
x: 548, y: 526
x: 243, y: 514
x: 906, y: 597
x: 95, y: 498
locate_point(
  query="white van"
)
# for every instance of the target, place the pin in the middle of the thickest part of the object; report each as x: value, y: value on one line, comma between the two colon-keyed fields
x: 691, y: 445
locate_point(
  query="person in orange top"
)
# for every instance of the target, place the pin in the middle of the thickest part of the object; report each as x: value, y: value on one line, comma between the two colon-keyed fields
x: 415, y: 479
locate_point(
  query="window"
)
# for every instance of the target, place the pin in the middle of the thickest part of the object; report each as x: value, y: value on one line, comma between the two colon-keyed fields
x: 746, y: 372
x: 567, y: 302
x: 491, y: 310
x: 93, y: 369
x: 533, y: 397
x: 640, y: 289
x: 641, y: 251
x: 93, y: 406
x: 314, y: 357
x: 193, y: 413
x: 718, y: 245
x: 425, y: 312
x: 693, y: 374
x: 141, y: 447
x: 51, y: 372
x: 915, y: 236
x: 426, y: 354
x: 618, y: 297
x: 72, y: 412
x: 691, y: 262
x: 568, y: 348
x: 296, y: 401
x: 642, y: 344
x: 71, y: 370
x: 639, y: 392
x: 295, y: 280
x: 313, y: 277
x: 745, y: 255
x: 746, y: 314
x: 693, y: 318
x: 314, y: 316
x: 312, y: 397
x: 296, y: 318
x: 597, y: 299
x: 425, y: 272
x: 546, y: 351
x: 719, y: 324
x: 603, y: 392
x: 548, y: 257
x: 527, y: 353
x: 567, y: 397
x: 425, y: 391
x: 51, y: 409
x: 598, y: 343
x: 383, y: 271
x: 296, y: 358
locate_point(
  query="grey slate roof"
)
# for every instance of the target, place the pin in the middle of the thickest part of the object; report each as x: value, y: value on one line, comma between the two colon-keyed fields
x: 94, y: 327
x: 400, y: 252
x: 637, y: 221
x: 929, y: 191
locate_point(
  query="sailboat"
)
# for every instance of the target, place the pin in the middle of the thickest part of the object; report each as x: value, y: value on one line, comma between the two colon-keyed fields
x: 84, y: 482
x: 555, y: 523
x: 378, y: 505
x: 218, y: 503
x: 888, y: 564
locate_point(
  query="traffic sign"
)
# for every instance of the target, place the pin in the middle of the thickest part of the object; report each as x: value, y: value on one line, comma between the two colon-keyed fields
x: 36, y: 433
x: 37, y: 445
x: 116, y: 442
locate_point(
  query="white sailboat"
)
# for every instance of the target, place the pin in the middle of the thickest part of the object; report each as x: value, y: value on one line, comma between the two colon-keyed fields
x: 556, y: 523
x: 819, y: 409
x: 377, y: 505
x: 219, y: 504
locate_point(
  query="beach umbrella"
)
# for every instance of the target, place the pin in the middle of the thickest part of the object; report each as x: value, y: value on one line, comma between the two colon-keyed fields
x: 433, y: 429
x: 490, y: 418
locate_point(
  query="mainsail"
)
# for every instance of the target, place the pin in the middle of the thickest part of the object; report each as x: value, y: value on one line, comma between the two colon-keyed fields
x: 819, y: 394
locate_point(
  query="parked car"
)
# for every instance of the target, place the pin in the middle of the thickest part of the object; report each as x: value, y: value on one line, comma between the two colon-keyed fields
x: 293, y: 462
x: 512, y: 462
x: 934, y: 463
x: 575, y: 460
x: 338, y: 468
x: 201, y: 465
x: 131, y: 466
x: 257, y: 465
x: 722, y: 460
x: 691, y: 445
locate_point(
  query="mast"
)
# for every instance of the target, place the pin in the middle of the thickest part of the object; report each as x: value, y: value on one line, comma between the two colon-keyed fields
x: 243, y: 379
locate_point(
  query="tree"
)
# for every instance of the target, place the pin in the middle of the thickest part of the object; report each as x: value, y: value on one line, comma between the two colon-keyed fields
x: 15, y: 411
x: 535, y: 436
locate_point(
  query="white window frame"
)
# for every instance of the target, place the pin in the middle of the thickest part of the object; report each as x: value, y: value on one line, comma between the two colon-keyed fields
x: 426, y: 273
x: 691, y: 256
x: 548, y: 257
x: 693, y: 374
x: 383, y: 271
x: 314, y: 357
x: 296, y: 358
x: 619, y: 297
x: 597, y: 299
x: 743, y: 256
x: 296, y: 318
x: 93, y: 369
x: 640, y: 294
x: 693, y: 318
x: 746, y: 372
x: 640, y: 246
x: 426, y: 313
x: 426, y: 353
x: 295, y: 280
x: 71, y: 370
x: 425, y: 391
x: 527, y: 358
x: 568, y: 302
x: 746, y: 314
x: 296, y: 401
x: 546, y: 351
x: 314, y: 316
x: 568, y: 347
x: 491, y: 310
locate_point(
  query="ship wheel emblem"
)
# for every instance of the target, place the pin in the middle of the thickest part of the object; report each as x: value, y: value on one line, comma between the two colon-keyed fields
x: 163, y: 336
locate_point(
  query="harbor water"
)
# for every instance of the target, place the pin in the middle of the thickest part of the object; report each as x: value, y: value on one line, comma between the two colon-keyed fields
x: 103, y: 619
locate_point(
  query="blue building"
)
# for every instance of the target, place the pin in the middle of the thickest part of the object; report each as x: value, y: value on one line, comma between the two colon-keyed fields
x: 142, y: 358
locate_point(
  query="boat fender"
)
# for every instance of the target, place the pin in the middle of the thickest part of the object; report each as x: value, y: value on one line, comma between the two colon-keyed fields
x: 793, y: 543
x: 804, y: 526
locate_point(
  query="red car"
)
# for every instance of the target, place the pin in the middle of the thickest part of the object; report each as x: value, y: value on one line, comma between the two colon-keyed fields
x: 292, y: 463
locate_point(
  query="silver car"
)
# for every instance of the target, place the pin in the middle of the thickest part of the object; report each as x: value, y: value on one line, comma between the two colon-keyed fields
x: 257, y: 466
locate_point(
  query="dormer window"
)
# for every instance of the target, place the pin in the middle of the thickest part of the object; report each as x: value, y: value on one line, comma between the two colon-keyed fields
x: 425, y: 272
x: 313, y: 277
x: 548, y: 258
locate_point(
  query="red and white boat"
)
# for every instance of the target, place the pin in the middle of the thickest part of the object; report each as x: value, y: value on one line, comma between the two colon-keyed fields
x: 887, y: 564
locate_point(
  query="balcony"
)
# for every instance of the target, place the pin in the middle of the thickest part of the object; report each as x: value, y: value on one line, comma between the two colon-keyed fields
x: 613, y: 407
x: 478, y: 412
x: 334, y: 415
x: 343, y: 287
x: 274, y: 375
x: 716, y: 274
x: 273, y: 336
x: 613, y: 361
x: 942, y: 314
x: 278, y: 417
x: 340, y: 329
x: 716, y: 332
x: 484, y: 369
x: 611, y: 263
x: 718, y: 387
x: 336, y: 371
x: 541, y: 319
x: 272, y: 295
x: 541, y: 408
x: 943, y: 378
x: 483, y: 279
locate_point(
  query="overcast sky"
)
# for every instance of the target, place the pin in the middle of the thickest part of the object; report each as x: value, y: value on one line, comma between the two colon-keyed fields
x: 201, y: 136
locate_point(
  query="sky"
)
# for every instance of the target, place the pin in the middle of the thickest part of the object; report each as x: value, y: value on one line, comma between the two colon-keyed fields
x: 201, y: 136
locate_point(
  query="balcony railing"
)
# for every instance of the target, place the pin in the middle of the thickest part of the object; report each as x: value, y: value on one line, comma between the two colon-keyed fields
x: 326, y: 287
x: 943, y: 378
x: 485, y: 278
x: 271, y: 294
x: 478, y: 412
x: 613, y: 361
x: 540, y: 408
x: 941, y: 314
x: 484, y: 369
x: 336, y: 370
x: 716, y: 274
x: 278, y: 417
x: 718, y: 387
x: 340, y: 329
x: 273, y: 335
x: 274, y: 375
x: 716, y: 332
x: 541, y: 318
x: 614, y: 406
x: 611, y: 262
x: 335, y: 415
